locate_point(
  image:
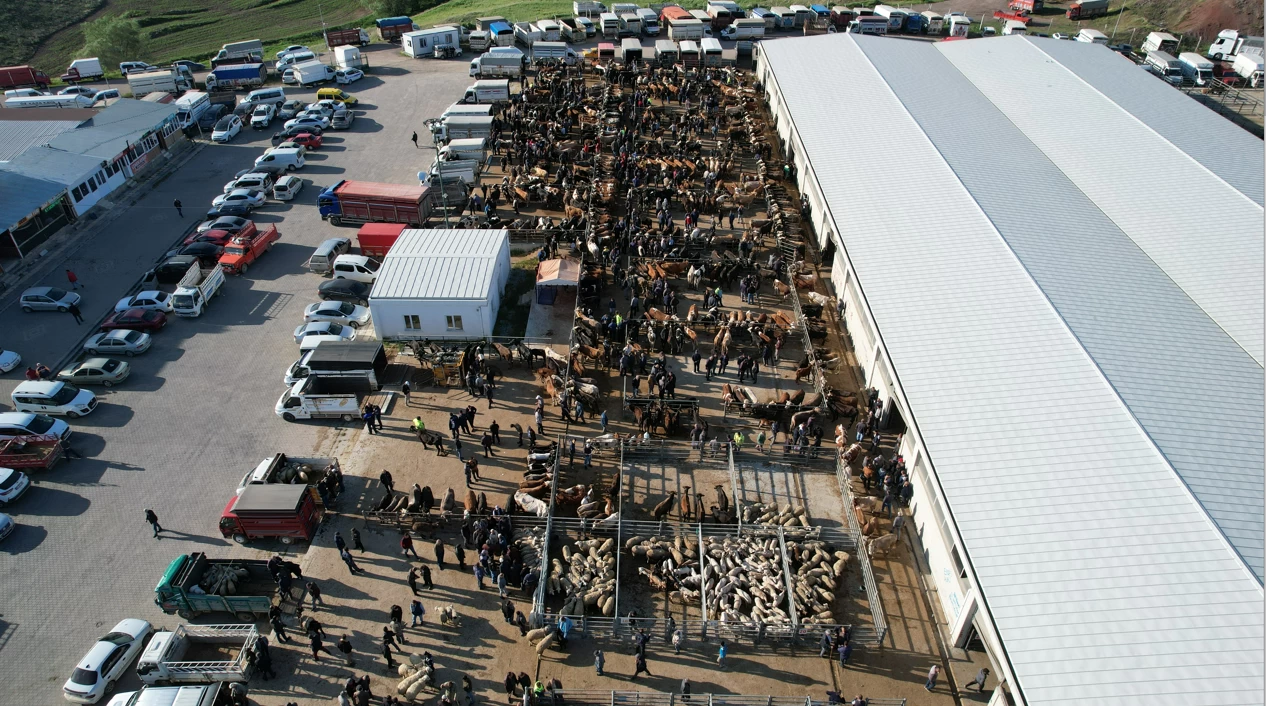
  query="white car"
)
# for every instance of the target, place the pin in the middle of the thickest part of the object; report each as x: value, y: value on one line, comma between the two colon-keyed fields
x: 1061, y: 35
x: 292, y: 49
x: 77, y: 91
x: 253, y: 198
x: 124, y: 341
x: 320, y: 108
x: 9, y: 360
x: 263, y: 116
x: 153, y: 300
x: 106, y: 662
x: 7, y: 525
x: 339, y: 312
x: 287, y: 187
x: 309, y: 121
x: 347, y: 76
x: 226, y: 129
x: 329, y: 105
x: 13, y: 485
x: 326, y: 330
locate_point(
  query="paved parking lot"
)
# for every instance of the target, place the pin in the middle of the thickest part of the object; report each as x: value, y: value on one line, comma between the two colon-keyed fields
x: 198, y: 408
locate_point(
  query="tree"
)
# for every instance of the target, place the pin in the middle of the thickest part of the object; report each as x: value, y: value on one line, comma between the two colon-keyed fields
x: 113, y: 40
x: 396, y: 8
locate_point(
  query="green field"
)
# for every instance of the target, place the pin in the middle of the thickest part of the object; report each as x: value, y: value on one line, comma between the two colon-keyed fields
x: 467, y: 10
x: 188, y: 29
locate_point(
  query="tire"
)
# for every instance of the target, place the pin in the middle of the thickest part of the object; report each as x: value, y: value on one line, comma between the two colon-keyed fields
x: 239, y: 538
x: 73, y: 415
x: 354, y: 324
x: 107, y: 383
x: 62, y: 309
x: 287, y: 540
x: 346, y: 417
x: 109, y: 689
x: 27, y: 309
x: 1218, y: 56
x: 245, y: 267
x: 126, y: 353
x: 288, y: 416
x: 334, y: 221
x: 186, y: 614
x: 245, y: 616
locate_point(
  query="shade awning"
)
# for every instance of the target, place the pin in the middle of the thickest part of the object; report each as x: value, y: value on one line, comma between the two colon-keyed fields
x: 558, y: 273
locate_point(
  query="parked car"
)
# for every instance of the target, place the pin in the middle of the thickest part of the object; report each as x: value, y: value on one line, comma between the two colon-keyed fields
x: 7, y: 525
x: 331, y: 105
x: 356, y: 267
x: 243, y: 111
x: 9, y: 360
x: 207, y: 252
x: 13, y: 485
x: 77, y: 91
x: 131, y: 67
x: 105, y: 94
x: 48, y: 299
x: 118, y: 342
x: 106, y: 372
x: 292, y: 49
x: 30, y: 424
x: 1061, y: 35
x: 339, y: 312
x: 345, y: 290
x: 251, y: 197
x: 347, y: 76
x: 287, y: 188
x: 152, y: 300
x: 218, y: 237
x: 233, y: 224
x: 308, y: 120
x: 229, y: 209
x: 135, y: 320
x: 211, y: 117
x: 290, y: 108
x: 251, y: 180
x: 263, y: 116
x: 287, y: 133
x: 324, y: 329
x: 106, y: 662
x: 226, y: 129
x: 191, y: 65
x: 271, y: 170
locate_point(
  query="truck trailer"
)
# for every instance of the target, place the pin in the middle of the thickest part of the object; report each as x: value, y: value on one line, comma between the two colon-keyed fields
x: 371, y: 202
x: 198, y: 654
x: 23, y: 76
x: 506, y: 63
x: 158, y: 81
x: 355, y: 36
x: 390, y: 29
x: 1087, y: 9
x: 254, y: 587
x: 233, y: 77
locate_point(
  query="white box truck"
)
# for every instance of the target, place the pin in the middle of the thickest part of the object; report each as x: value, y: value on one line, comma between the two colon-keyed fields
x: 349, y: 57
x: 610, y: 24
x: 666, y: 52
x: 308, y: 73
x: 550, y: 30
x: 1092, y: 36
x: 83, y: 70
x: 554, y: 52
x: 681, y: 30
x: 1015, y: 27
x: 1165, y: 66
x: 587, y: 9
x: 488, y: 91
x: 650, y: 21
x: 458, y: 127
x: 1249, y: 67
x: 159, y: 81
x: 423, y: 42
x: 502, y: 62
x: 1195, y: 68
x: 470, y: 149
x: 192, y: 106
x: 1160, y: 41
x: 744, y: 28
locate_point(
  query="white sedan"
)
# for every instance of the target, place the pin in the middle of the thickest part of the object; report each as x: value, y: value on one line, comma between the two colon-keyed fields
x: 347, y: 76
x: 306, y: 120
x: 9, y: 360
x: 253, y: 198
x: 344, y: 313
x: 324, y: 329
x: 106, y: 662
x: 152, y: 300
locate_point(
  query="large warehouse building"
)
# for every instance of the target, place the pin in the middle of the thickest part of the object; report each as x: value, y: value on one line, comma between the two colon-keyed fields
x: 1052, y: 264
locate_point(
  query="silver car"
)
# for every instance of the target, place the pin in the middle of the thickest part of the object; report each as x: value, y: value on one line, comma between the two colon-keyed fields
x: 96, y: 371
x: 123, y: 341
x: 48, y: 299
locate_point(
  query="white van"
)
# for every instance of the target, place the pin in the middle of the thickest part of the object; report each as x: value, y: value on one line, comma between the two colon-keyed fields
x: 274, y: 96
x: 357, y: 268
x: 53, y: 397
x: 30, y: 424
x: 289, y: 158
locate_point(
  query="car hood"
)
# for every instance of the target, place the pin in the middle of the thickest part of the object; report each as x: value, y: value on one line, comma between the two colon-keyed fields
x: 8, y: 358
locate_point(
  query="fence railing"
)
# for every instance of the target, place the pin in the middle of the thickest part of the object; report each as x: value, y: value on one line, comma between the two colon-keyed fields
x: 583, y: 697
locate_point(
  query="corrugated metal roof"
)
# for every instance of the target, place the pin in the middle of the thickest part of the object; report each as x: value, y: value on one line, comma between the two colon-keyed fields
x: 1107, y: 581
x: 1204, y: 233
x: 44, y: 162
x: 440, y: 264
x: 110, y: 132
x: 23, y: 195
x: 16, y: 136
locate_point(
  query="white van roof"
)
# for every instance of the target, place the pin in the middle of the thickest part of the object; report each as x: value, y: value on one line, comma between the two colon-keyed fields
x: 39, y: 387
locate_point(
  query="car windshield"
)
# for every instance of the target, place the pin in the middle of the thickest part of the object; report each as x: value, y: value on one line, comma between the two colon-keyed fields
x: 335, y: 329
x: 40, y: 424
x: 84, y: 677
x: 10, y: 480
x: 117, y: 638
x: 261, y: 111
x: 182, y: 301
x: 110, y: 366
x: 56, y: 294
x: 132, y: 336
x: 372, y: 265
x: 65, y: 395
x: 346, y: 308
x: 224, y: 123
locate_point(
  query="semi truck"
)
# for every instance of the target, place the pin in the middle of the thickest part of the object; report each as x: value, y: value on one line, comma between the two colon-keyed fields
x: 344, y: 37
x: 371, y: 202
x: 1230, y: 43
x: 229, y: 78
x: 198, y: 654
x: 1087, y: 9
x: 159, y: 81
x: 194, y: 295
x: 318, y: 397
x: 507, y: 63
x: 23, y: 76
x: 180, y: 591
x: 357, y: 359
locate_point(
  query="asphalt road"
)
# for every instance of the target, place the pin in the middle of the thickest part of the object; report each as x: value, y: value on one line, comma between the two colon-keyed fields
x: 198, y: 408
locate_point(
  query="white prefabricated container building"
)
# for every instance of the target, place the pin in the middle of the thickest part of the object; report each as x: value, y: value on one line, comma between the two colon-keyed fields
x: 424, y: 41
x: 438, y: 283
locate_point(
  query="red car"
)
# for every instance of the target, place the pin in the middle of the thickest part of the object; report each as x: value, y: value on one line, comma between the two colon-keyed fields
x: 219, y: 237
x: 135, y: 320
x: 307, y: 139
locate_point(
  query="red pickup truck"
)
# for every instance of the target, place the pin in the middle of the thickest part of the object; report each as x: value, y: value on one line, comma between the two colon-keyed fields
x: 245, y: 249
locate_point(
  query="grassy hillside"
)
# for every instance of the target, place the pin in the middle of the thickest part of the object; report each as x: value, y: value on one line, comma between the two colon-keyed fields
x: 191, y: 29
x: 30, y: 22
x: 467, y: 10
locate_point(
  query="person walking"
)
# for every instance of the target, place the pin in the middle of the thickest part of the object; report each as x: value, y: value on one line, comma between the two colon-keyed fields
x: 846, y: 651
x: 685, y: 689
x: 933, y: 673
x: 356, y: 543
x: 413, y: 580
x: 279, y: 628
x: 314, y: 641
x: 588, y: 454
x: 415, y: 140
x: 479, y: 576
x: 152, y: 519
x: 679, y: 637
x: 180, y: 208
x: 979, y: 681
x: 72, y: 278
x: 507, y: 611
x: 640, y: 666
x: 501, y: 585
x: 314, y: 592
x: 825, y: 646
x: 387, y: 481
x: 74, y: 311
x: 346, y: 556
x: 344, y: 645
x: 488, y: 395
x: 457, y: 449
x: 406, y: 546
x: 599, y: 661
x: 386, y: 653
x: 368, y: 418
x: 418, y: 612
x: 722, y: 652
x: 469, y: 688
x: 389, y: 638
x: 439, y: 554
x: 426, y: 577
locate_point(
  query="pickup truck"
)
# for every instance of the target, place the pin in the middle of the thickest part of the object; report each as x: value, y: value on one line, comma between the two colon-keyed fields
x: 245, y: 249
x: 282, y: 468
x: 202, y: 695
x: 198, y: 654
x: 318, y: 397
x: 193, y: 296
x: 467, y: 169
x: 181, y: 590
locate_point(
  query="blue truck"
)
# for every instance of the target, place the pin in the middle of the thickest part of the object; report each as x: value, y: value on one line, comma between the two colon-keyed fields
x: 390, y: 28
x: 228, y: 78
